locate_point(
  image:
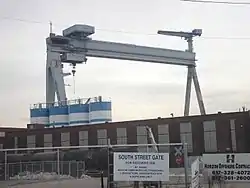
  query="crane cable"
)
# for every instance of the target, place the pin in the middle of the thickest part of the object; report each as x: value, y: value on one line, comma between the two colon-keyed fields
x: 136, y: 33
x: 218, y: 2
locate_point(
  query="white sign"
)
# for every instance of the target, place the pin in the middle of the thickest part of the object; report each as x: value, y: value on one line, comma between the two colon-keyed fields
x: 195, y: 170
x: 178, y: 151
x: 141, y: 166
x: 228, y: 166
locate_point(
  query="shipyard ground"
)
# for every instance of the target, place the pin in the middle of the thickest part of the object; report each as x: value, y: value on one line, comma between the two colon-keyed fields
x: 176, y: 181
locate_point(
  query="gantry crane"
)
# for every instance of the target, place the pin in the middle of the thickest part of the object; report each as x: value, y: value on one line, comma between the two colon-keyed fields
x: 75, y: 45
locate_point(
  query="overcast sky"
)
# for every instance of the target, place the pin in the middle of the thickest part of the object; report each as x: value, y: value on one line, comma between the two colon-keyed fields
x: 138, y: 90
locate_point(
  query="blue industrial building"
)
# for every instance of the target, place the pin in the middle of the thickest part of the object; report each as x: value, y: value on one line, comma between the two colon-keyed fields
x: 72, y: 113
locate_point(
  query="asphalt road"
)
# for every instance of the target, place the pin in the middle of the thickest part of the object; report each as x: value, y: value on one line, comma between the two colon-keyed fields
x: 71, y: 183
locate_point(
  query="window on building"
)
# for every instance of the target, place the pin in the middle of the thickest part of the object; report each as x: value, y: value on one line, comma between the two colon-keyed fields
x: 47, y: 141
x: 83, y: 139
x: 102, y: 138
x: 121, y: 135
x: 2, y: 134
x: 142, y: 137
x: 163, y: 137
x: 31, y: 141
x: 1, y: 146
x: 186, y: 135
x: 65, y: 139
x: 233, y: 134
x: 210, y: 139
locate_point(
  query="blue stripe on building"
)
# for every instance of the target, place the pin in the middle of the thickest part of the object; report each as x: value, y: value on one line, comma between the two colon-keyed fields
x: 59, y: 110
x: 43, y: 112
x: 77, y: 108
x: 97, y: 106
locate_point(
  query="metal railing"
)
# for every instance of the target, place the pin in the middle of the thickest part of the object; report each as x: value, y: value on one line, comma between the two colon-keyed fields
x: 70, y: 102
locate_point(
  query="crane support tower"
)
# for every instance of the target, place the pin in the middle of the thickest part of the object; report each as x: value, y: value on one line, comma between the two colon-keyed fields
x: 192, y: 74
x: 75, y: 45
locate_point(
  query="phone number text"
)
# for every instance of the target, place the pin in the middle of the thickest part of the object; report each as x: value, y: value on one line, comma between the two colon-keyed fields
x: 231, y: 172
x: 230, y: 175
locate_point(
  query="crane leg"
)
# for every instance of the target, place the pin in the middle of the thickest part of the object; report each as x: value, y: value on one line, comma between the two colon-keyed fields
x: 192, y: 74
x: 188, y: 92
x: 198, y: 92
x: 50, y: 85
x: 55, y: 80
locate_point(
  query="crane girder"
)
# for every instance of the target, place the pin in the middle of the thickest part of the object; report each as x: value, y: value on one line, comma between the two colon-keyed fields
x: 103, y: 49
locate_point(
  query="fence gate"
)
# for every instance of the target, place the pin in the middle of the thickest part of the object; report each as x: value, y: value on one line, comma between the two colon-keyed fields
x: 148, y: 169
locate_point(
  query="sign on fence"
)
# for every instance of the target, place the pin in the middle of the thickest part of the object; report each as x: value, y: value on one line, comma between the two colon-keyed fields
x: 228, y: 166
x: 195, y: 170
x: 141, y: 166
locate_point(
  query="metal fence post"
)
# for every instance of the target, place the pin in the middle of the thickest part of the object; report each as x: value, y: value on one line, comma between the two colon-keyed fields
x: 32, y: 167
x: 185, y: 163
x: 102, y: 182
x: 5, y: 165
x: 20, y: 166
x: 43, y: 166
x: 58, y: 162
x: 110, y: 166
x: 77, y: 169
x: 108, y: 179
x: 69, y: 168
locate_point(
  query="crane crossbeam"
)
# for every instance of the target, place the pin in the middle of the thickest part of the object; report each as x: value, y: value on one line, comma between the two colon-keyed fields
x: 134, y: 53
x: 103, y: 49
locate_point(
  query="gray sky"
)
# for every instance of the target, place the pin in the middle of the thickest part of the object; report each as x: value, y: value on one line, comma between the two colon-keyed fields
x: 137, y: 90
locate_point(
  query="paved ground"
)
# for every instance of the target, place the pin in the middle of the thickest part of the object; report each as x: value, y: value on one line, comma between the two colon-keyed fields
x: 72, y: 183
x: 93, y: 183
x: 175, y: 181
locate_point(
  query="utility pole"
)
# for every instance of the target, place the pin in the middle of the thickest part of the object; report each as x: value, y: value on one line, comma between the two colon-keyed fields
x: 192, y: 74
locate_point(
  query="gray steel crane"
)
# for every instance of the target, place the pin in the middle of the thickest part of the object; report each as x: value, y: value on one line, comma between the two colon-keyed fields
x: 75, y: 45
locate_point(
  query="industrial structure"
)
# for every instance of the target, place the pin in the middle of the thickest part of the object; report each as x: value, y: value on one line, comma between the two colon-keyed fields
x: 74, y: 112
x: 215, y: 133
x: 81, y: 123
x: 74, y: 46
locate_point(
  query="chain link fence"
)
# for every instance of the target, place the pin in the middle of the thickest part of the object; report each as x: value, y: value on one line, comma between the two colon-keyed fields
x: 15, y: 171
x: 94, y: 162
x: 33, y: 163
